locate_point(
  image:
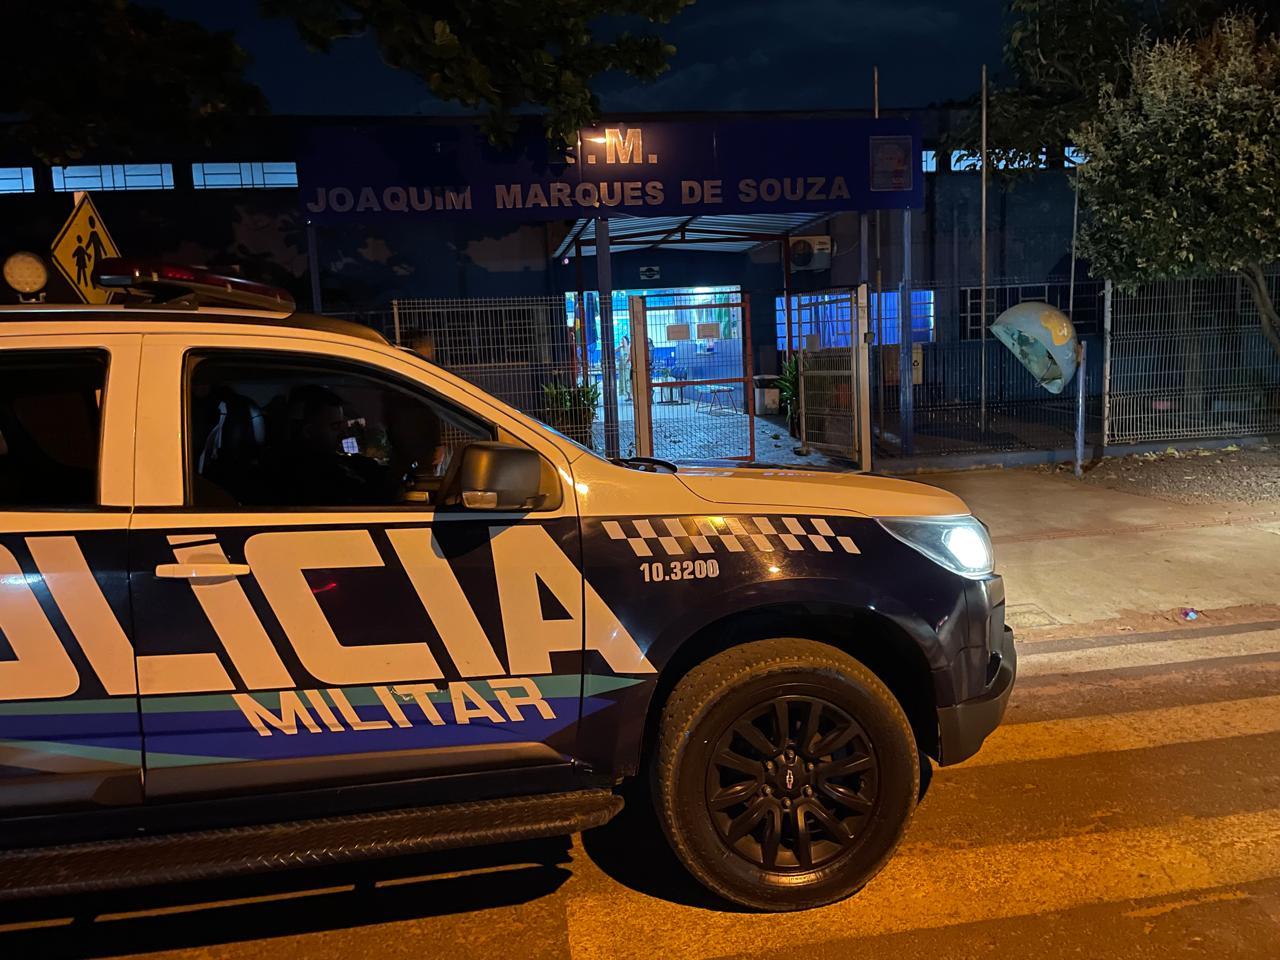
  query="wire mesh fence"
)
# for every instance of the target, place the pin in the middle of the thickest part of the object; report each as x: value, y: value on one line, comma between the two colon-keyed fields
x: 519, y: 349
x: 529, y: 353
x: 971, y: 397
x: 1189, y: 360
x: 1173, y: 360
x: 950, y: 416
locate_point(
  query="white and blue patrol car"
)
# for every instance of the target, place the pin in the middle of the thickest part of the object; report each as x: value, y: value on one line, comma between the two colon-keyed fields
x: 274, y: 593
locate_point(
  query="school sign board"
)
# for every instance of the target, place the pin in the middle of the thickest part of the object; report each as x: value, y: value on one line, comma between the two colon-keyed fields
x: 659, y: 168
x: 80, y: 244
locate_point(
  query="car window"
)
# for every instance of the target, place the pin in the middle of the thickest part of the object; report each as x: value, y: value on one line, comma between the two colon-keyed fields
x: 50, y: 427
x: 272, y: 430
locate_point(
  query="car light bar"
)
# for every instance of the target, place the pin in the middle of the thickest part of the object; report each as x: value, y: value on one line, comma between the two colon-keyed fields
x: 178, y: 285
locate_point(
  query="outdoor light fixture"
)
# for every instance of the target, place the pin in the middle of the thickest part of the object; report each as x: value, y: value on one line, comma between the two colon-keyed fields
x: 27, y: 274
x: 960, y: 544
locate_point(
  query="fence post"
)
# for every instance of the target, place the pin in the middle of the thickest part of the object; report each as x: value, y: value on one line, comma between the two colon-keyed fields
x: 748, y: 364
x: 608, y: 372
x: 313, y: 268
x: 860, y: 346
x: 982, y: 356
x: 640, y: 376
x: 906, y: 412
x: 1081, y: 373
x: 786, y: 297
x: 395, y: 321
x: 800, y: 390
x: 1106, y: 364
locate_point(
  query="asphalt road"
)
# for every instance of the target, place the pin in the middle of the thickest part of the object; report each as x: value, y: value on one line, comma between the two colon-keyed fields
x: 1130, y: 807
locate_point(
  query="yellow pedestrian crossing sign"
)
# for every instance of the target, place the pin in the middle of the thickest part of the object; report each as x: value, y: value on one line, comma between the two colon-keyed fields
x: 81, y: 244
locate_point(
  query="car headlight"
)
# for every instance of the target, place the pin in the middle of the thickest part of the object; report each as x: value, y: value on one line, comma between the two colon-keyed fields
x: 960, y: 544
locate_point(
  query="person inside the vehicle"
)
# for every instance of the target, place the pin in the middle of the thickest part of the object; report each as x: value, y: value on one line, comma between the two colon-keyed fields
x: 337, y: 460
x: 323, y: 470
x: 416, y: 454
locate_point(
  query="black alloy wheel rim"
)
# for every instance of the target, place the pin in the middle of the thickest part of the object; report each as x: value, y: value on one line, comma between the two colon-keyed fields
x: 791, y: 784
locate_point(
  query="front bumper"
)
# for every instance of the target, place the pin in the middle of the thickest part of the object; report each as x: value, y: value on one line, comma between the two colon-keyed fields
x: 963, y: 727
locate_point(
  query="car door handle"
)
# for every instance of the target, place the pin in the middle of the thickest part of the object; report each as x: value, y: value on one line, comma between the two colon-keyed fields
x: 200, y: 571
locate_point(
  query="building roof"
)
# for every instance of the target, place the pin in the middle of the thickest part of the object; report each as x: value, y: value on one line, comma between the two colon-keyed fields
x: 717, y: 233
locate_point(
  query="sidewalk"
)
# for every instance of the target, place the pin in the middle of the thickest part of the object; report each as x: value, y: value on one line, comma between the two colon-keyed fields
x: 1073, y: 552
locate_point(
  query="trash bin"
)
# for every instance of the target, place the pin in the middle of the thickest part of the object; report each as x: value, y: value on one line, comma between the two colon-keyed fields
x: 768, y: 401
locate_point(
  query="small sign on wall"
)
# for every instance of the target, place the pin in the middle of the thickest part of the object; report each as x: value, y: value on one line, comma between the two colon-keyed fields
x: 709, y: 331
x: 678, y: 331
x: 650, y: 273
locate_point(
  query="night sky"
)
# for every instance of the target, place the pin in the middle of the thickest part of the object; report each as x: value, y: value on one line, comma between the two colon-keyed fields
x: 732, y: 55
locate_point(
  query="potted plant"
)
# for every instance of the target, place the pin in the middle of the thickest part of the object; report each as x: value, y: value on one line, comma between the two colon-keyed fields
x: 571, y: 409
x: 789, y: 394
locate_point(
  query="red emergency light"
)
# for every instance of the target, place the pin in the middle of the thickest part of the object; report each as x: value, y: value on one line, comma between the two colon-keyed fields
x: 177, y: 286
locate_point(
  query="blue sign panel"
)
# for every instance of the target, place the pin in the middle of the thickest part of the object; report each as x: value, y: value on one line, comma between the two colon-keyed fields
x: 638, y: 169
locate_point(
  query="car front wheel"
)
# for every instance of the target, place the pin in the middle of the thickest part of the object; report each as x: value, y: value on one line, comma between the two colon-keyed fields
x: 785, y: 774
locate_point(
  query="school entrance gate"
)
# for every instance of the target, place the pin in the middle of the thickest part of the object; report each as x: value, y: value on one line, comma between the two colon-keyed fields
x: 692, y: 395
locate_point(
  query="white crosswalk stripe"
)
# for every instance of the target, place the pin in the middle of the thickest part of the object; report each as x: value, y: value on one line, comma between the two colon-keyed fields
x: 1112, y: 657
x: 1133, y: 730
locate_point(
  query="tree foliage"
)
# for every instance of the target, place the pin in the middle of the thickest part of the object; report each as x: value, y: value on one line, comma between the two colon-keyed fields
x: 1183, y: 178
x: 501, y: 55
x: 108, y: 78
x: 1059, y: 55
x: 114, y: 78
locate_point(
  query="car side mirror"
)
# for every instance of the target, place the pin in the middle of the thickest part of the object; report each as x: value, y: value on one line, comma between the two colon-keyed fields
x: 496, y: 476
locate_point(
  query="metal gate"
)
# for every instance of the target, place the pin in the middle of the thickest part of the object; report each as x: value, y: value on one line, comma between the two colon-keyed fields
x: 834, y: 382
x: 690, y: 377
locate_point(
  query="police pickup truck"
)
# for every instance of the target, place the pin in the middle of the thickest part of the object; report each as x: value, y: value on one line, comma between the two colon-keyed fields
x: 275, y: 593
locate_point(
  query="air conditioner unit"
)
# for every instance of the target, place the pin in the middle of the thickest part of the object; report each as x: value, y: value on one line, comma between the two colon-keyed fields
x: 810, y: 253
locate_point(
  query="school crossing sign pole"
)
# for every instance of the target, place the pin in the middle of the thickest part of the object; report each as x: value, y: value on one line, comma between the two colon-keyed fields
x: 82, y: 242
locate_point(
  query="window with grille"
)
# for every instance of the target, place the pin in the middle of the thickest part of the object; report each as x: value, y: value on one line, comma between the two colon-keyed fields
x: 17, y: 180
x: 113, y: 176
x: 244, y: 176
x: 1000, y: 297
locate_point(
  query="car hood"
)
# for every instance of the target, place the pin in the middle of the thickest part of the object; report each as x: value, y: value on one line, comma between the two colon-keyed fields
x: 815, y: 491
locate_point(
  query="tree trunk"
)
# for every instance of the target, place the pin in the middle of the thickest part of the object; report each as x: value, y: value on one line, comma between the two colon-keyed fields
x: 1267, y: 313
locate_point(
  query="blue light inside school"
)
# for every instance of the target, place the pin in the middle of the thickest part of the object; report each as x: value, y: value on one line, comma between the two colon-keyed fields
x: 1075, y: 157
x: 113, y: 176
x: 963, y: 161
x: 886, y: 326
x: 655, y: 297
x: 243, y: 176
x: 17, y: 180
x: 820, y: 321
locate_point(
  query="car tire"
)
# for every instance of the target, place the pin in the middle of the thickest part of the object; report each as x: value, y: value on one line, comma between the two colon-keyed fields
x: 784, y: 775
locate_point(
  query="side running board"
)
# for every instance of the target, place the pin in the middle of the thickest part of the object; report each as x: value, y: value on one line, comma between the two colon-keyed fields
x: 210, y: 854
